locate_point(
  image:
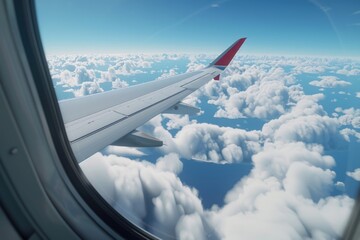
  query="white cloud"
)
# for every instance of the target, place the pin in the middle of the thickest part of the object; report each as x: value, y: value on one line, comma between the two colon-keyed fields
x: 264, y: 100
x: 170, y: 162
x: 329, y: 82
x: 88, y: 88
x: 139, y: 190
x: 349, y: 71
x: 306, y: 122
x: 350, y: 116
x: 354, y: 174
x: 255, y: 90
x: 166, y: 74
x: 177, y: 121
x: 286, y: 195
x: 84, y: 75
x: 216, y: 144
x: 194, y: 64
x: 340, y: 186
x: 117, y: 83
x: 347, y: 132
x: 66, y: 77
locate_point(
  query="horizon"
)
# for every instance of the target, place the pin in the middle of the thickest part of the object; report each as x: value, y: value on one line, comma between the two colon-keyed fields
x: 277, y: 28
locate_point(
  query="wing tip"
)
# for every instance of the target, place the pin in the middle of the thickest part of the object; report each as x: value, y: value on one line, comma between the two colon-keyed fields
x: 225, y: 58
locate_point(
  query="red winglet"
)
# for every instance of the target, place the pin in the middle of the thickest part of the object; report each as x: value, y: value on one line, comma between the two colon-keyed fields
x: 217, y: 78
x: 225, y: 58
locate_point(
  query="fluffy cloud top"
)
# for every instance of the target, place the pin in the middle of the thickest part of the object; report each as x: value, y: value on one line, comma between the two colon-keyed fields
x: 286, y: 196
x: 216, y: 144
x: 263, y: 91
x: 329, y: 82
x: 149, y: 195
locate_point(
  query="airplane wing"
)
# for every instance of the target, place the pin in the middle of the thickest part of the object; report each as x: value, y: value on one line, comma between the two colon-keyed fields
x: 96, y: 121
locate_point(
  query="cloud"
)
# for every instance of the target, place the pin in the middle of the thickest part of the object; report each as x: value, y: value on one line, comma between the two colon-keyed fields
x: 349, y: 70
x: 347, y: 132
x: 142, y: 191
x: 253, y: 91
x: 329, y: 82
x: 349, y: 117
x: 307, y: 122
x: 166, y: 74
x: 84, y: 75
x: 286, y: 195
x: 358, y: 94
x: 66, y: 77
x: 340, y: 186
x: 177, y: 121
x: 209, y: 142
x: 170, y: 162
x: 195, y: 64
x: 88, y: 88
x: 265, y: 100
x: 117, y: 83
x: 74, y: 70
x: 354, y: 174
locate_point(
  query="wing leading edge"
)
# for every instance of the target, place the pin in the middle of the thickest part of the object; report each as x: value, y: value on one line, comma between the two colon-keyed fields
x: 96, y: 121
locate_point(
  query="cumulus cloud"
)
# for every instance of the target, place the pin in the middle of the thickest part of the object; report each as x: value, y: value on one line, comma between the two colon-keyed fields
x: 170, y: 162
x: 166, y: 74
x: 347, y: 132
x: 84, y: 75
x: 349, y: 70
x: 178, y: 121
x: 329, y: 82
x: 195, y: 64
x: 72, y: 71
x: 142, y: 191
x: 216, y: 144
x: 263, y: 92
x: 117, y: 83
x: 88, y: 88
x: 265, y: 100
x: 209, y: 142
x: 350, y: 116
x: 286, y: 195
x: 306, y: 122
x: 354, y: 174
x: 67, y: 78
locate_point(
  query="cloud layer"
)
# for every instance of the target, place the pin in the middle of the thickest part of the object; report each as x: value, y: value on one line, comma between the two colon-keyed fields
x: 288, y: 192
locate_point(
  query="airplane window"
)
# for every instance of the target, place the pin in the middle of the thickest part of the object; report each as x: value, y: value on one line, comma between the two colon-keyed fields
x: 213, y: 119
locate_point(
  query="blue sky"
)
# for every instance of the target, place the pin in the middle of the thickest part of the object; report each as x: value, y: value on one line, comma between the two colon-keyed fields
x: 280, y: 27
